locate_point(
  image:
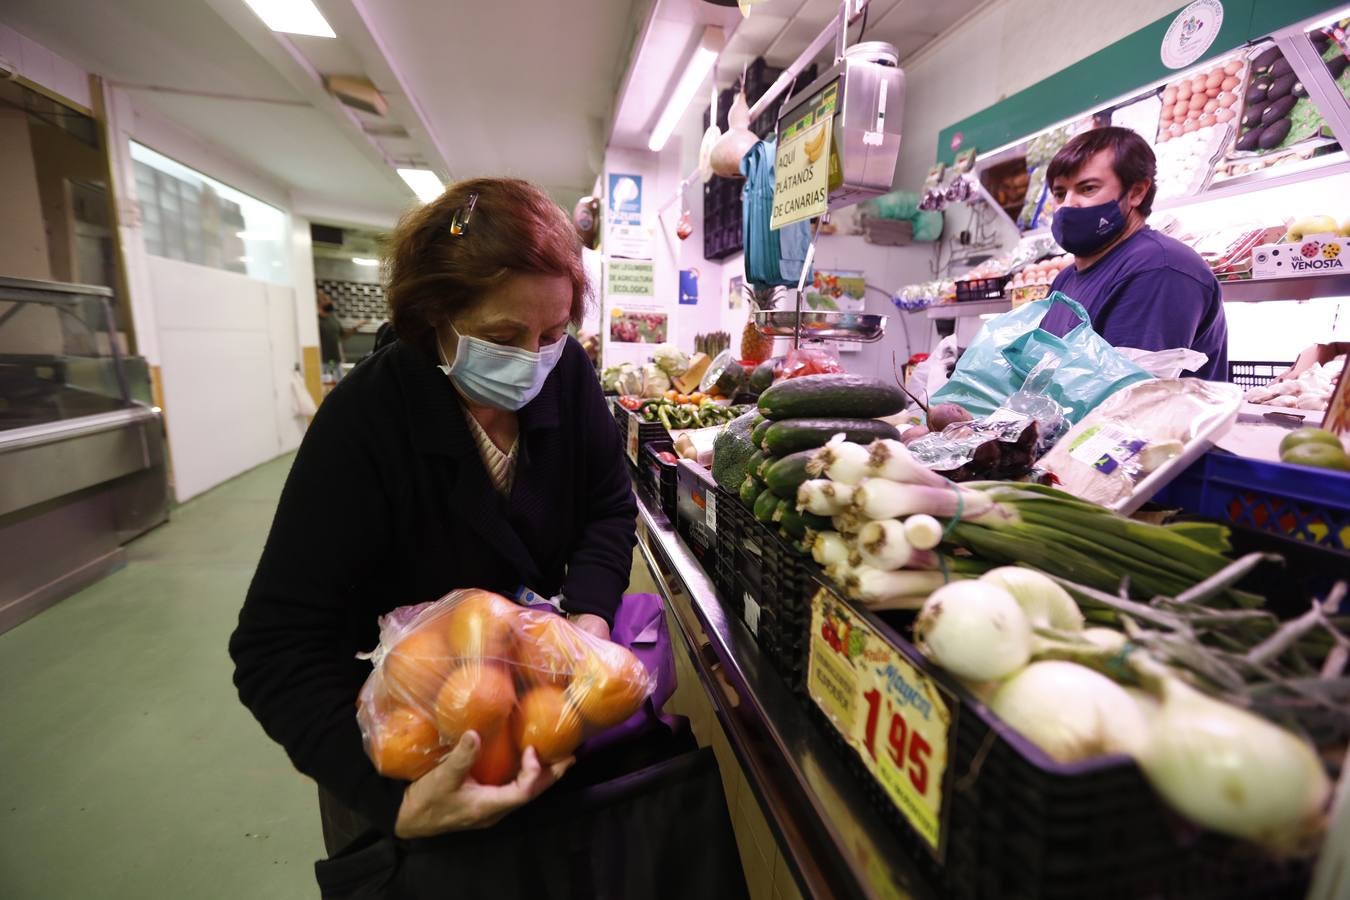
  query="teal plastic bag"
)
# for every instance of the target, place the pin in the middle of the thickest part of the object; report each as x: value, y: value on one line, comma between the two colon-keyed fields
x: 1077, y: 371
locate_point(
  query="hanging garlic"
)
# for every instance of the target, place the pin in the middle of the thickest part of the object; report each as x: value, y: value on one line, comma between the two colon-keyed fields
x: 730, y: 147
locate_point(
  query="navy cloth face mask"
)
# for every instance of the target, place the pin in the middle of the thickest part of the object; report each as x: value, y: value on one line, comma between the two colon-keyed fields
x: 1084, y: 230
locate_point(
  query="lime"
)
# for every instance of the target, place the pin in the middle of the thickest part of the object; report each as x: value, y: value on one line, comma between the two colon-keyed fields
x: 1323, y: 456
x: 1307, y: 436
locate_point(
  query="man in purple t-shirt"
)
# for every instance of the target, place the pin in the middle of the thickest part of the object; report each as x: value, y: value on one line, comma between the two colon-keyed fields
x: 1141, y: 288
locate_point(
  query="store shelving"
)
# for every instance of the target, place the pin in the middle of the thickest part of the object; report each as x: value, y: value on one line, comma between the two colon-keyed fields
x: 964, y: 310
x: 1305, y: 288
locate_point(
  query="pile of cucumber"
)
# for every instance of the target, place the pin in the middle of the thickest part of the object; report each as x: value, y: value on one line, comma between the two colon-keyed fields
x: 798, y: 416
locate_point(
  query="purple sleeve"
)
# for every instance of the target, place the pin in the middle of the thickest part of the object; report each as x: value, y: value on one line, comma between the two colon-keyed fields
x: 1154, y: 310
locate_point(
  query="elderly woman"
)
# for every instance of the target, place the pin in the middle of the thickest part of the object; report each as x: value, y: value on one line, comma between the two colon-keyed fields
x: 474, y: 451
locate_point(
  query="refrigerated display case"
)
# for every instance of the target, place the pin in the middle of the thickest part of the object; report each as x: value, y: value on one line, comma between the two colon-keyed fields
x: 82, y: 461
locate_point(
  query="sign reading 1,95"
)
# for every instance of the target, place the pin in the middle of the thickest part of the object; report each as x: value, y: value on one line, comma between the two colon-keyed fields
x: 893, y: 716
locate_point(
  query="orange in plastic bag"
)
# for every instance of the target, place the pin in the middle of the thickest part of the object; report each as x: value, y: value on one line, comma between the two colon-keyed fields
x: 474, y: 660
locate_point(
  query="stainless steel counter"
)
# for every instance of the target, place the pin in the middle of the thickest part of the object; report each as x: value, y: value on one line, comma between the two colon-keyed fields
x: 832, y: 837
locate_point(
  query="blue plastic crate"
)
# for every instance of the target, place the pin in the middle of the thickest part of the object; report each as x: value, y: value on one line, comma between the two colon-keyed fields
x: 1300, y: 502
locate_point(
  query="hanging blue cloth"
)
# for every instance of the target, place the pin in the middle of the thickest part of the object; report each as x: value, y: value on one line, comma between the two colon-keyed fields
x: 793, y: 242
x: 761, y: 244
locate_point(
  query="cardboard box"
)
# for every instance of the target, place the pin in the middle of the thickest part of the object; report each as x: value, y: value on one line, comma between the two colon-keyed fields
x: 1316, y: 254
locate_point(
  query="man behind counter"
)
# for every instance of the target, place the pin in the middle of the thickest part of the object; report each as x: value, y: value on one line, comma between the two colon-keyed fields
x: 1141, y: 288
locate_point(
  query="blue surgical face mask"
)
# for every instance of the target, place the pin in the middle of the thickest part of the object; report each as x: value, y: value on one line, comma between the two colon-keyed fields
x: 1085, y: 230
x: 499, y: 376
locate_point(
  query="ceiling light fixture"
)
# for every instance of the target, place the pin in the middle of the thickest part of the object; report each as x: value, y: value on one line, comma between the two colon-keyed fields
x: 292, y: 17
x: 424, y: 183
x: 365, y: 261
x: 700, y: 64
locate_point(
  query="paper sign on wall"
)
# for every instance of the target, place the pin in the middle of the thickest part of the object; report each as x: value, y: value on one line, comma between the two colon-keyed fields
x: 802, y: 174
x: 627, y: 236
x: 688, y: 287
x: 631, y: 279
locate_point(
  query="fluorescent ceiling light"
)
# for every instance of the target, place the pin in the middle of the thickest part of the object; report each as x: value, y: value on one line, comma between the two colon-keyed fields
x: 700, y: 64
x: 292, y: 17
x: 424, y: 183
x: 365, y: 261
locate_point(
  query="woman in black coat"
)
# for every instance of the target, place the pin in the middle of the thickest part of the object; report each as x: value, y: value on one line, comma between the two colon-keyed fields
x: 475, y: 451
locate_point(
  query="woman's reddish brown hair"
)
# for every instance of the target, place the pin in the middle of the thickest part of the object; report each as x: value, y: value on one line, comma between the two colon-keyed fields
x: 515, y: 228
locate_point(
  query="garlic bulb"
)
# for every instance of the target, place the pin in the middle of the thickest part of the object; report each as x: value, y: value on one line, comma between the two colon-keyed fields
x: 736, y: 142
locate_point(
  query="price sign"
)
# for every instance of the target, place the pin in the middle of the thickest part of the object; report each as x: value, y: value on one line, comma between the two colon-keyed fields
x: 634, y: 426
x: 895, y: 717
x: 710, y: 510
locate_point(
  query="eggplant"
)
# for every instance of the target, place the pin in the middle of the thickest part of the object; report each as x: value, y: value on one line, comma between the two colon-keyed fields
x: 1321, y: 40
x: 1281, y: 87
x: 1278, y: 110
x: 1281, y: 68
x: 1273, y: 134
x: 1256, y: 94
x: 1266, y: 59
x: 1299, y: 90
x: 1250, y: 140
x: 1337, y: 65
x: 1252, y: 117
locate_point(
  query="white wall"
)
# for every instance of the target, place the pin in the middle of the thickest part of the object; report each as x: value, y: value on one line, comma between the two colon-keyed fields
x: 227, y: 347
x: 43, y: 67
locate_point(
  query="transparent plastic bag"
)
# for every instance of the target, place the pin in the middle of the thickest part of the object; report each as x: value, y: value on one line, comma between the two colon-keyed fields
x: 473, y: 660
x: 1130, y: 446
x: 811, y: 361
x: 1165, y: 363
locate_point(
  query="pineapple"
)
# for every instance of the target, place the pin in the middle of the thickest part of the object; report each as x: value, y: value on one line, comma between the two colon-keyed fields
x: 756, y: 347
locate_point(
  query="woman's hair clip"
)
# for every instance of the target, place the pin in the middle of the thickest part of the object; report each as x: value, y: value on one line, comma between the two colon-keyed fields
x: 460, y: 223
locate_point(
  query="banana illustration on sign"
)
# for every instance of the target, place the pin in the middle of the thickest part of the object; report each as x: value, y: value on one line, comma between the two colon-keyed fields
x: 815, y: 145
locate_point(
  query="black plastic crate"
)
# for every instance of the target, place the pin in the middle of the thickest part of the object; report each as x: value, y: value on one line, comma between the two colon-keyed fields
x: 1250, y: 374
x: 638, y: 434
x: 657, y: 476
x: 1019, y: 825
x: 977, y: 289
x: 695, y: 490
x: 728, y: 521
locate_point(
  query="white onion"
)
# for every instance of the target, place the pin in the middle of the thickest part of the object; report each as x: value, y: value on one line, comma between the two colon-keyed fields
x: 1071, y: 712
x: 840, y: 461
x: 823, y: 497
x: 829, y: 548
x: 975, y: 630
x: 1046, y: 604
x: 923, y: 532
x: 883, y: 545
x: 1232, y: 771
x: 884, y: 590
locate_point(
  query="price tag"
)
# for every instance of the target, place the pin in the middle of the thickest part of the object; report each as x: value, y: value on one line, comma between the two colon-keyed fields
x: 894, y: 717
x: 634, y: 426
x: 752, y: 615
x: 710, y: 510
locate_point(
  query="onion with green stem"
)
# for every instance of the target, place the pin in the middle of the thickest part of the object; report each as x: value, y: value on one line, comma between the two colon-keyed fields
x: 829, y: 548
x: 1046, y: 604
x: 890, y: 459
x: 823, y: 497
x: 840, y: 461
x: 923, y: 532
x: 975, y: 630
x: 877, y: 588
x: 1071, y: 712
x: 881, y: 498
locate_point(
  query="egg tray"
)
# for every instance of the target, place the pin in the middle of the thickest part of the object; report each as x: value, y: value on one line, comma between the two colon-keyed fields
x: 977, y: 289
x: 1021, y: 826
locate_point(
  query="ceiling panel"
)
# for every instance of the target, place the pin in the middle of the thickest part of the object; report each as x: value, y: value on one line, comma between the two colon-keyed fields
x: 297, y: 145
x: 181, y: 44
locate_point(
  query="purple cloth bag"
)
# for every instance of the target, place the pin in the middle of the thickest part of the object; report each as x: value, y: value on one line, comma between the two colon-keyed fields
x: 640, y: 625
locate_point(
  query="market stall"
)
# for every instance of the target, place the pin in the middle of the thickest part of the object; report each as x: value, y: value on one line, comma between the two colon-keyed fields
x: 1063, y: 622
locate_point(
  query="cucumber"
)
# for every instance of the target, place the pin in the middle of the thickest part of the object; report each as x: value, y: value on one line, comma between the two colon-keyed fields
x: 765, y: 504
x: 751, y: 488
x: 797, y: 523
x: 763, y: 468
x: 852, y: 396
x: 762, y: 378
x: 792, y: 435
x: 781, y: 509
x: 757, y: 435
x: 787, y: 474
x: 752, y: 467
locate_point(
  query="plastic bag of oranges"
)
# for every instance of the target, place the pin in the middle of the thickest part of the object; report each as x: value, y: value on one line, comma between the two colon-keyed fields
x: 520, y: 677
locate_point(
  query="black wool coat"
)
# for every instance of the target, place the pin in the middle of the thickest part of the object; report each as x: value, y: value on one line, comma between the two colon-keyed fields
x: 388, y: 504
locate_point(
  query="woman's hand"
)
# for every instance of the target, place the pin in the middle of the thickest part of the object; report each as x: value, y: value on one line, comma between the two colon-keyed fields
x: 448, y: 799
x: 591, y: 624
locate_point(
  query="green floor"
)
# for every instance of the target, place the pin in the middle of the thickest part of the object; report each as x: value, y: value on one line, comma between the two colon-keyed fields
x: 128, y: 769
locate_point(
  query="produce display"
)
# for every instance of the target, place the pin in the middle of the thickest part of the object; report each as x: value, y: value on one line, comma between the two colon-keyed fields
x: 1200, y: 100
x: 1274, y: 116
x: 521, y: 678
x: 675, y: 410
x: 1311, y: 390
x: 1314, y: 447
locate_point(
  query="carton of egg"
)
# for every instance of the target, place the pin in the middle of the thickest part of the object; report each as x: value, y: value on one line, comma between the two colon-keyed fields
x: 1185, y: 163
x: 1199, y: 100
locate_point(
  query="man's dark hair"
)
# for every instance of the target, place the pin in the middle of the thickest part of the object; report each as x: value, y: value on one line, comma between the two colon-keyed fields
x: 1132, y: 160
